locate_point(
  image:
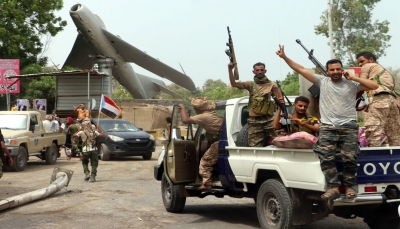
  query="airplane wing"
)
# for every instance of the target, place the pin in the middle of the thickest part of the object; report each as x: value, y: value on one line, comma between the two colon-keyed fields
x: 79, y: 55
x: 154, y: 86
x: 132, y: 54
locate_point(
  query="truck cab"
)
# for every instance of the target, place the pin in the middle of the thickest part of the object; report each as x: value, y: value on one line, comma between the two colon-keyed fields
x: 24, y: 136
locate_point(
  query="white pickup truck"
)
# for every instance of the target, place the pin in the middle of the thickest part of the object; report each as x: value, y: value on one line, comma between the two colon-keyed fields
x: 286, y: 184
x: 25, y: 136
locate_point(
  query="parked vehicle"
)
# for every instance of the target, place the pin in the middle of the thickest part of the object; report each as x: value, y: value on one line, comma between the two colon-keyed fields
x: 122, y: 138
x: 24, y: 136
x: 286, y: 184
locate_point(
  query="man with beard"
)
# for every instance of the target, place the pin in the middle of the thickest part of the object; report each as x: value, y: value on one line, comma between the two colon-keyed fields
x: 339, y: 127
x: 382, y: 114
x: 300, y: 120
x: 260, y: 125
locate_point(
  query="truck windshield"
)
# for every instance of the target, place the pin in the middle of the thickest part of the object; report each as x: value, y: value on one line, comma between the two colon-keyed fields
x: 14, y: 122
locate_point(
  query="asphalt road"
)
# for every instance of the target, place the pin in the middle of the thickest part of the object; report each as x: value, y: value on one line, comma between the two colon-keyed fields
x: 125, y: 196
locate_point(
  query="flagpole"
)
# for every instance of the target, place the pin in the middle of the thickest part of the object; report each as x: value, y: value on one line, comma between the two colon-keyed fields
x: 98, y: 116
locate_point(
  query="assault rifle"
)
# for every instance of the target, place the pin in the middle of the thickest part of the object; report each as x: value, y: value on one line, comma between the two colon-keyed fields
x: 314, y: 89
x: 231, y: 53
x: 283, y: 106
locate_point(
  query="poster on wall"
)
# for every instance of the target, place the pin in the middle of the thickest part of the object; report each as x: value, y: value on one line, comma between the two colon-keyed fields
x: 40, y: 104
x: 22, y: 104
x: 9, y: 67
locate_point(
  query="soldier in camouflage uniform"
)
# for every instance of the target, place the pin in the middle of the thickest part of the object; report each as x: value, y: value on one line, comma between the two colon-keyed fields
x: 89, y: 149
x: 260, y: 126
x: 300, y: 120
x: 382, y: 113
x: 72, y: 128
x: 211, y: 121
x: 339, y: 127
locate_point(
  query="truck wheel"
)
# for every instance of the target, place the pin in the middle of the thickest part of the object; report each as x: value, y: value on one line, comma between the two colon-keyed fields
x: 20, y: 160
x: 274, y: 206
x: 170, y: 196
x: 51, y: 154
x: 385, y: 218
x: 243, y: 136
x: 147, y: 156
x: 104, y: 152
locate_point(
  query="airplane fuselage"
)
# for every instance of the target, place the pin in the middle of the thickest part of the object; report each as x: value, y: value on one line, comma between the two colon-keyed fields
x: 88, y: 25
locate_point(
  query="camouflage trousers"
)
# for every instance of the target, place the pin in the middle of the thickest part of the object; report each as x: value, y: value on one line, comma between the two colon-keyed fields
x: 260, y: 127
x: 74, y: 145
x: 345, y: 139
x: 382, y: 117
x: 94, y: 161
x: 207, y: 162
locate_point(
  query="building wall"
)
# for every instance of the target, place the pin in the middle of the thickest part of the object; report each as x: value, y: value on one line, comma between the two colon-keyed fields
x: 72, y: 90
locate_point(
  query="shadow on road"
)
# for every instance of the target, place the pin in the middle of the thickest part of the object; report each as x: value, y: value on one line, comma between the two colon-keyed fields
x: 237, y: 214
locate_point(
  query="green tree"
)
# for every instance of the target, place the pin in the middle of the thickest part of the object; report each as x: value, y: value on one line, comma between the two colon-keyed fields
x: 353, y: 31
x: 218, y: 90
x: 22, y: 23
x: 186, y: 94
x: 396, y: 77
x: 121, y: 93
x: 290, y: 85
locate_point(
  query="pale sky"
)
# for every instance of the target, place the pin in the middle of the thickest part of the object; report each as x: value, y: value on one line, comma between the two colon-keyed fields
x: 193, y: 33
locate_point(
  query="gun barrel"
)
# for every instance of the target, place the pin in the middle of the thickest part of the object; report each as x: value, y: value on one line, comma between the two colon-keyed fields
x: 312, y: 58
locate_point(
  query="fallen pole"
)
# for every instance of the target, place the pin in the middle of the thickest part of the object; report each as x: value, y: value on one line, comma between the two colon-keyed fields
x: 59, y: 179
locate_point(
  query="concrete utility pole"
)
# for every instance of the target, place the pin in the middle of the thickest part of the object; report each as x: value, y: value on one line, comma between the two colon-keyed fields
x: 330, y: 28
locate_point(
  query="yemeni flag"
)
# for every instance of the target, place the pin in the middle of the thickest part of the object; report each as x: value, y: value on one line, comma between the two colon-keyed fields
x: 109, y: 108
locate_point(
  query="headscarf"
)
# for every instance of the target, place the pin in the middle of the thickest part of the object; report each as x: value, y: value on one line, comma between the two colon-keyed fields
x: 201, y: 104
x: 87, y: 128
x: 70, y: 120
x: 261, y: 80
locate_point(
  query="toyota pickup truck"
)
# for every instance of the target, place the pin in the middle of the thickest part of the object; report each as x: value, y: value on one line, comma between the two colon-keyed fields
x: 24, y: 136
x: 286, y: 184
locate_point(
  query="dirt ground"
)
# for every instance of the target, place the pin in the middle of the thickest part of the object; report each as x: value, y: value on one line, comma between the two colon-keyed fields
x: 126, y: 195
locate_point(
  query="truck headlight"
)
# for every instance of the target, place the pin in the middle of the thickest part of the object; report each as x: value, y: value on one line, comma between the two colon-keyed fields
x: 151, y: 137
x: 10, y: 141
x: 115, y: 138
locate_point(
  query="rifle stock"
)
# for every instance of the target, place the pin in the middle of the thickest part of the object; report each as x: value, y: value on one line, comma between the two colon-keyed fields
x: 231, y: 53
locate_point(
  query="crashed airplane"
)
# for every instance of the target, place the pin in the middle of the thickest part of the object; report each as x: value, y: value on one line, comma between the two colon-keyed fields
x: 94, y: 40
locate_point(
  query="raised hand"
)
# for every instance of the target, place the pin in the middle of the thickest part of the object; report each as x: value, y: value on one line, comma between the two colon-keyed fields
x: 281, y: 51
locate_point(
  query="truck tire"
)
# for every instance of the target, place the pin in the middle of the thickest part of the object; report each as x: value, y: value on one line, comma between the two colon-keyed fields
x: 385, y: 218
x: 170, y: 196
x: 104, y: 152
x: 147, y: 156
x: 243, y: 136
x: 274, y: 206
x: 51, y: 154
x: 20, y: 160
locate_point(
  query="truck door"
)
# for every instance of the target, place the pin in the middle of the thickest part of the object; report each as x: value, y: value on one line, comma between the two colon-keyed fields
x: 35, y: 138
x: 180, y: 160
